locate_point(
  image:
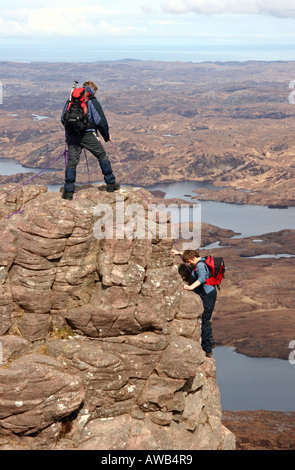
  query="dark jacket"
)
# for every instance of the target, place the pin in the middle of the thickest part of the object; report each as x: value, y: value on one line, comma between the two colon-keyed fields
x: 96, y: 116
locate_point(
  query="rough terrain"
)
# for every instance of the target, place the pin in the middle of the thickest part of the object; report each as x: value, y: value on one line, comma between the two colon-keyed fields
x: 261, y: 430
x: 230, y: 123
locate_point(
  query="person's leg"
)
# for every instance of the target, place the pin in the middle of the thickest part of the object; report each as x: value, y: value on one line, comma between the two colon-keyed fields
x: 212, y: 337
x: 209, y: 301
x: 91, y: 142
x: 74, y: 152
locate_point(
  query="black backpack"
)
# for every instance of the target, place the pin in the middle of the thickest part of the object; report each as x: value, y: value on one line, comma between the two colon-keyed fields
x: 76, y: 117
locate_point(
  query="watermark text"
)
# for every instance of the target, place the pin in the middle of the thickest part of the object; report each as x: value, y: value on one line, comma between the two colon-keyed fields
x: 292, y: 353
x: 157, y: 221
x: 292, y: 94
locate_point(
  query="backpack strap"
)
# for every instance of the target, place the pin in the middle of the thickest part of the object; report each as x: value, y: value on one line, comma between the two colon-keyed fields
x: 200, y: 261
x: 208, y: 269
x: 85, y: 100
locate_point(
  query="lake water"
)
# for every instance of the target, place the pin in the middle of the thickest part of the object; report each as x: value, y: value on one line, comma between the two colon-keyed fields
x: 249, y: 220
x: 245, y: 383
x: 11, y: 167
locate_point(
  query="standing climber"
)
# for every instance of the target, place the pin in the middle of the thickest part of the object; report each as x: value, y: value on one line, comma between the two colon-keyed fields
x: 207, y: 293
x: 80, y: 134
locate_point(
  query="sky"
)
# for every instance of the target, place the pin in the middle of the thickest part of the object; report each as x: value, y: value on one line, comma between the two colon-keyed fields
x: 163, y: 22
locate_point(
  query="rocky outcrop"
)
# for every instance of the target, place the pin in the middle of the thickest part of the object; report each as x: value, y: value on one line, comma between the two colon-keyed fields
x: 100, y: 343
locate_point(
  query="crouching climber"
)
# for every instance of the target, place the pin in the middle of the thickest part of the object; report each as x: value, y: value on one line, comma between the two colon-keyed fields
x: 208, y: 294
x: 82, y: 117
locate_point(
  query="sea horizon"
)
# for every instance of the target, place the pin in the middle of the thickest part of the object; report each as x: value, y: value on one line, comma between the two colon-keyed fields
x: 32, y: 51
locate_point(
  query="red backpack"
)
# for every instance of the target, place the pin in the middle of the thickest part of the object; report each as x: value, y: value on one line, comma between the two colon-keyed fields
x: 76, y: 118
x: 216, y: 269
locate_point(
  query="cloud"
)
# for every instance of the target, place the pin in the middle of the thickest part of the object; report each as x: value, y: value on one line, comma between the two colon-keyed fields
x: 276, y: 8
x: 75, y: 21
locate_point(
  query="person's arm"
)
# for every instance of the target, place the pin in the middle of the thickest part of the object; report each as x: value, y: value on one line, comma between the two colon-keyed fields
x: 63, y: 112
x: 101, y: 124
x: 192, y: 286
x: 201, y: 277
x: 176, y: 252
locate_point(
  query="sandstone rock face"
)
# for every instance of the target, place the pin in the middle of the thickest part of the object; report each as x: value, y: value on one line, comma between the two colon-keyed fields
x: 26, y: 408
x: 100, y: 343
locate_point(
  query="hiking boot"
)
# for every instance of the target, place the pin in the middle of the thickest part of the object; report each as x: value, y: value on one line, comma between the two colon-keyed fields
x: 113, y: 187
x: 209, y: 354
x: 67, y: 195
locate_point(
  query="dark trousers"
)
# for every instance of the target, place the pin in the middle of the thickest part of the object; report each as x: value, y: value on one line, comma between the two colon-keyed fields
x: 209, y: 301
x: 90, y: 142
